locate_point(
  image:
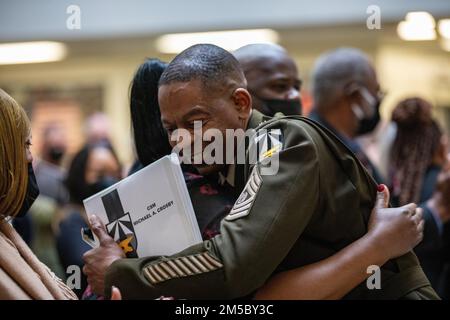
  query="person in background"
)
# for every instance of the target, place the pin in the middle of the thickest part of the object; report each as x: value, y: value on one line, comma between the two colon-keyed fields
x: 22, y: 275
x: 93, y: 168
x: 48, y: 168
x: 98, y: 129
x: 445, y: 276
x: 417, y: 167
x: 418, y: 152
x: 433, y: 250
x: 272, y: 78
x: 347, y: 98
x: 150, y: 138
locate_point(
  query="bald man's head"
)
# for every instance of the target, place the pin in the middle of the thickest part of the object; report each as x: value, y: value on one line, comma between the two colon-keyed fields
x: 272, y: 78
x: 203, y: 84
x: 335, y: 70
x: 250, y: 56
x: 345, y: 88
x: 213, y: 66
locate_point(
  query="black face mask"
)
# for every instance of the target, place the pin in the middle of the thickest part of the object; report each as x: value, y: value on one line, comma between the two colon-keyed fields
x: 32, y: 193
x: 367, y: 125
x: 56, y: 153
x: 291, y: 107
x: 100, y: 185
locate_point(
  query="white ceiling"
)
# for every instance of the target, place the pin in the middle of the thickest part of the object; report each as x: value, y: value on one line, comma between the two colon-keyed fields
x: 46, y: 19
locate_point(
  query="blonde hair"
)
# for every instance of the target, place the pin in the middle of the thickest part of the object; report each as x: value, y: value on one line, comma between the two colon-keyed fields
x: 14, y: 131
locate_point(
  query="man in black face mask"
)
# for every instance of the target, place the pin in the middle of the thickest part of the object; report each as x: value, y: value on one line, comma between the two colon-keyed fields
x: 49, y: 173
x: 347, y: 98
x: 272, y: 78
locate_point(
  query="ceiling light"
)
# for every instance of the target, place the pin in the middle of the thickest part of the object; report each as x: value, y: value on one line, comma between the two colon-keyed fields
x: 229, y: 40
x: 417, y: 26
x: 444, y: 28
x: 31, y: 52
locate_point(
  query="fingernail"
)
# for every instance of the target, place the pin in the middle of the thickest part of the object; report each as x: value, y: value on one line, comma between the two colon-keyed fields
x: 380, y: 188
x: 92, y: 220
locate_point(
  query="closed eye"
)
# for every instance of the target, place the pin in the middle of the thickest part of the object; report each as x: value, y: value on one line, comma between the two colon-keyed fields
x: 193, y: 123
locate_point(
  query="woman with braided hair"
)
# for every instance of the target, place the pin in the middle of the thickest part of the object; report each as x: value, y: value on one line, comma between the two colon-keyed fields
x: 418, y: 152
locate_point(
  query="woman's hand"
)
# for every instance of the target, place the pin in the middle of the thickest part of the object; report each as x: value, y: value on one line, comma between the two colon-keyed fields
x: 395, y: 231
x: 116, y: 294
x: 392, y: 232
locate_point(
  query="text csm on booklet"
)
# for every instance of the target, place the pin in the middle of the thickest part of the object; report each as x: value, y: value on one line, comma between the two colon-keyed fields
x: 150, y: 212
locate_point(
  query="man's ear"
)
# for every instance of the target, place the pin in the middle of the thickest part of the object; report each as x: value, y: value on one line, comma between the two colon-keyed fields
x: 242, y: 102
x: 351, y: 91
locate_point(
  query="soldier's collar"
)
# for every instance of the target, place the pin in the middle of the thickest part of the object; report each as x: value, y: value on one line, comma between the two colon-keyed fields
x: 256, y: 118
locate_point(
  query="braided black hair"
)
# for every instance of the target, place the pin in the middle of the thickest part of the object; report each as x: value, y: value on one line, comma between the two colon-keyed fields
x: 417, y: 141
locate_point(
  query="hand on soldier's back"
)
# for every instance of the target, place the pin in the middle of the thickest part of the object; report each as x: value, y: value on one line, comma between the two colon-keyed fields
x: 396, y: 231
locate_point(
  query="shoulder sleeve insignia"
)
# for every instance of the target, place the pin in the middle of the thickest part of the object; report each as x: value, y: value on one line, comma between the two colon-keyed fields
x: 244, y: 203
x: 266, y: 143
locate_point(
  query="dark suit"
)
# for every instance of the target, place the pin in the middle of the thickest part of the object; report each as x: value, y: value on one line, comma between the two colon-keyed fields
x: 432, y: 252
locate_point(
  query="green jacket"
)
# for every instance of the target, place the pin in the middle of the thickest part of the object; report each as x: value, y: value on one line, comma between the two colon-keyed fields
x: 319, y: 202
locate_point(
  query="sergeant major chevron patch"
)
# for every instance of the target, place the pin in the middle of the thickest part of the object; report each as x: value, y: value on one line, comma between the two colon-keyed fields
x: 244, y: 203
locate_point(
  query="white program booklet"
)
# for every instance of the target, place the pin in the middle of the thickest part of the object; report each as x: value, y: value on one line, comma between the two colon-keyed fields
x: 150, y: 212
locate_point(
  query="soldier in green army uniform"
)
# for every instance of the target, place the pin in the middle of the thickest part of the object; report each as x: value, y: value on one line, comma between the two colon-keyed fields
x: 318, y: 202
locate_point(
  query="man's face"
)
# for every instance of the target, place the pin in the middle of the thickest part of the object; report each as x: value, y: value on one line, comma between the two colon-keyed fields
x: 54, y: 145
x: 358, y: 104
x: 101, y: 163
x: 183, y: 104
x: 274, y: 77
x: 56, y: 138
x: 372, y: 86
